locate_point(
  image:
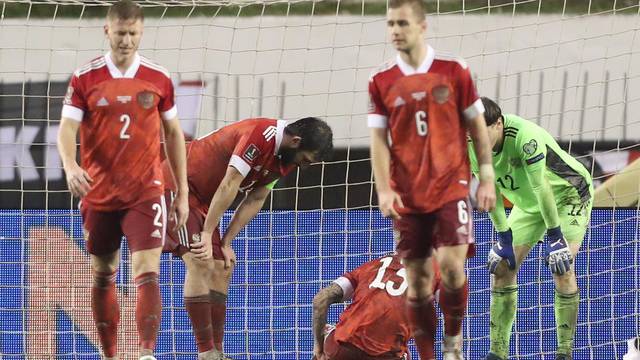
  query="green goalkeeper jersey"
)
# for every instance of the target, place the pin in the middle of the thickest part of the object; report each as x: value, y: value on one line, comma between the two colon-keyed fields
x: 534, y: 173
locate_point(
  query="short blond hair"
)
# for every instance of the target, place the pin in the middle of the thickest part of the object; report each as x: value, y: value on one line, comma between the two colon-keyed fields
x: 416, y: 5
x: 125, y: 10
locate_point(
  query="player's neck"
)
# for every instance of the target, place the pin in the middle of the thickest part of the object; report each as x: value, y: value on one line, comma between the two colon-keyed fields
x: 123, y: 63
x: 414, y: 57
x: 498, y: 145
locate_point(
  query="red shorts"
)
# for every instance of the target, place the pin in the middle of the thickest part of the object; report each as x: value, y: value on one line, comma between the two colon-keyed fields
x: 448, y: 226
x: 178, y: 241
x: 340, y: 351
x: 143, y: 225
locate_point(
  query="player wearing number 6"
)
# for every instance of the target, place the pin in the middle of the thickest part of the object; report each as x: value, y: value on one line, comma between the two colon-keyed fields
x: 425, y: 102
x: 119, y: 101
x: 375, y: 324
x: 551, y: 192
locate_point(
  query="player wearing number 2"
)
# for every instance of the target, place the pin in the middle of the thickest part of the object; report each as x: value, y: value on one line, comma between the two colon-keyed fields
x: 551, y: 192
x: 375, y: 324
x: 425, y: 102
x: 119, y: 101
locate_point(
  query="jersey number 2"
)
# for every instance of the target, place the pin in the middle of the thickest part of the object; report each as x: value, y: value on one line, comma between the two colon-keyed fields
x: 389, y: 285
x: 126, y: 121
x: 421, y: 123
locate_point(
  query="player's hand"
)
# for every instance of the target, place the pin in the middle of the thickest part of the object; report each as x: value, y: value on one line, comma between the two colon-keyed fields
x: 557, y: 253
x: 180, y: 210
x: 486, y: 196
x: 502, y: 250
x: 388, y: 201
x: 78, y: 180
x: 229, y: 255
x: 202, y: 250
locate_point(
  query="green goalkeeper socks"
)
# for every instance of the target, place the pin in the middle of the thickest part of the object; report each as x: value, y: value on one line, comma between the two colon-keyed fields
x: 503, y: 311
x: 566, y: 311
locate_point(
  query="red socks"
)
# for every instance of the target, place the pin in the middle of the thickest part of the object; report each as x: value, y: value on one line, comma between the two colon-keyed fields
x: 422, y: 317
x: 218, y: 302
x: 148, y: 309
x: 453, y: 304
x: 199, y: 310
x: 106, y: 312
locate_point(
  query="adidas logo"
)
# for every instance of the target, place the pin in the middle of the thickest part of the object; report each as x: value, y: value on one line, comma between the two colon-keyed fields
x: 462, y: 230
x: 574, y: 222
x: 102, y: 102
x: 419, y: 95
x: 156, y: 234
x: 399, y: 102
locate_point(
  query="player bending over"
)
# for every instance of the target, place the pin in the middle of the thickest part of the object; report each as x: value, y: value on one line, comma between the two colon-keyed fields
x: 425, y: 101
x: 119, y: 101
x: 551, y: 192
x: 375, y: 324
x: 248, y: 156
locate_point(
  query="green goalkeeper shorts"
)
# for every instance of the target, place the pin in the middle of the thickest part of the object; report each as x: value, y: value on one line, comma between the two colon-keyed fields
x: 529, y: 228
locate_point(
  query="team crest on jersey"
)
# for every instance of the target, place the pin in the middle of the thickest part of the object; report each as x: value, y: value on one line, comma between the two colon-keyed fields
x: 69, y: 95
x: 251, y: 153
x: 145, y: 99
x: 530, y: 147
x: 440, y: 94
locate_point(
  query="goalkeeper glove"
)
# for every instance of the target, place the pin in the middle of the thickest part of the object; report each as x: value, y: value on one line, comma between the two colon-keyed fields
x: 502, y: 250
x: 557, y: 254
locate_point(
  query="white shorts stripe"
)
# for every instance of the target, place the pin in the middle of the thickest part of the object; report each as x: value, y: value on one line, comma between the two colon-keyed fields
x: 163, y: 205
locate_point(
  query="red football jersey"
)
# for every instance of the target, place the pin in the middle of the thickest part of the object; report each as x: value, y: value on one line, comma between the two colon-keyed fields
x: 375, y: 321
x: 251, y: 146
x: 424, y: 110
x: 120, y: 129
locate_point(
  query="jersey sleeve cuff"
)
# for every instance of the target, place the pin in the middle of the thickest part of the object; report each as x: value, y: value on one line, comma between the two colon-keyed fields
x: 474, y: 110
x: 170, y: 114
x: 347, y: 287
x: 377, y: 121
x: 240, y: 165
x: 72, y: 112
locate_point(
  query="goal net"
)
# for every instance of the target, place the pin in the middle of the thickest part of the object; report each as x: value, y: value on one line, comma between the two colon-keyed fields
x: 573, y: 67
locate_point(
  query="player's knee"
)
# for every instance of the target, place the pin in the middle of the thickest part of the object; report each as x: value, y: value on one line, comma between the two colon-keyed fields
x: 566, y: 283
x: 452, y: 275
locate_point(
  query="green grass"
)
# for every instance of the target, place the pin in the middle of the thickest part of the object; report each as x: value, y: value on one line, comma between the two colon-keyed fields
x: 329, y: 7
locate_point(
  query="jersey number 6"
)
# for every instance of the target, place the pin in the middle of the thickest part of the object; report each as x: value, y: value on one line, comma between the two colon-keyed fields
x: 389, y: 285
x: 421, y: 122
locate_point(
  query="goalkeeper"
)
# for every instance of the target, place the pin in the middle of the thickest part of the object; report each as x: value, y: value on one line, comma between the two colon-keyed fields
x: 551, y: 193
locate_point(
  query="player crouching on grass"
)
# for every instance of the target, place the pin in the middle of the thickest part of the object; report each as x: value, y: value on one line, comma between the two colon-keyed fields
x: 551, y: 192
x: 248, y: 156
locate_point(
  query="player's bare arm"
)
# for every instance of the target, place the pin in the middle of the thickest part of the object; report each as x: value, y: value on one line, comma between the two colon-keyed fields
x: 247, y: 210
x: 220, y: 202
x: 78, y: 180
x: 176, y: 153
x: 324, y: 298
x: 486, y: 194
x: 388, y: 199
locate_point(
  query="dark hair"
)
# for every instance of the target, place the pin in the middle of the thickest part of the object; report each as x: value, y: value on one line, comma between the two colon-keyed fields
x: 492, y: 111
x: 125, y: 10
x: 316, y: 136
x: 416, y: 5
